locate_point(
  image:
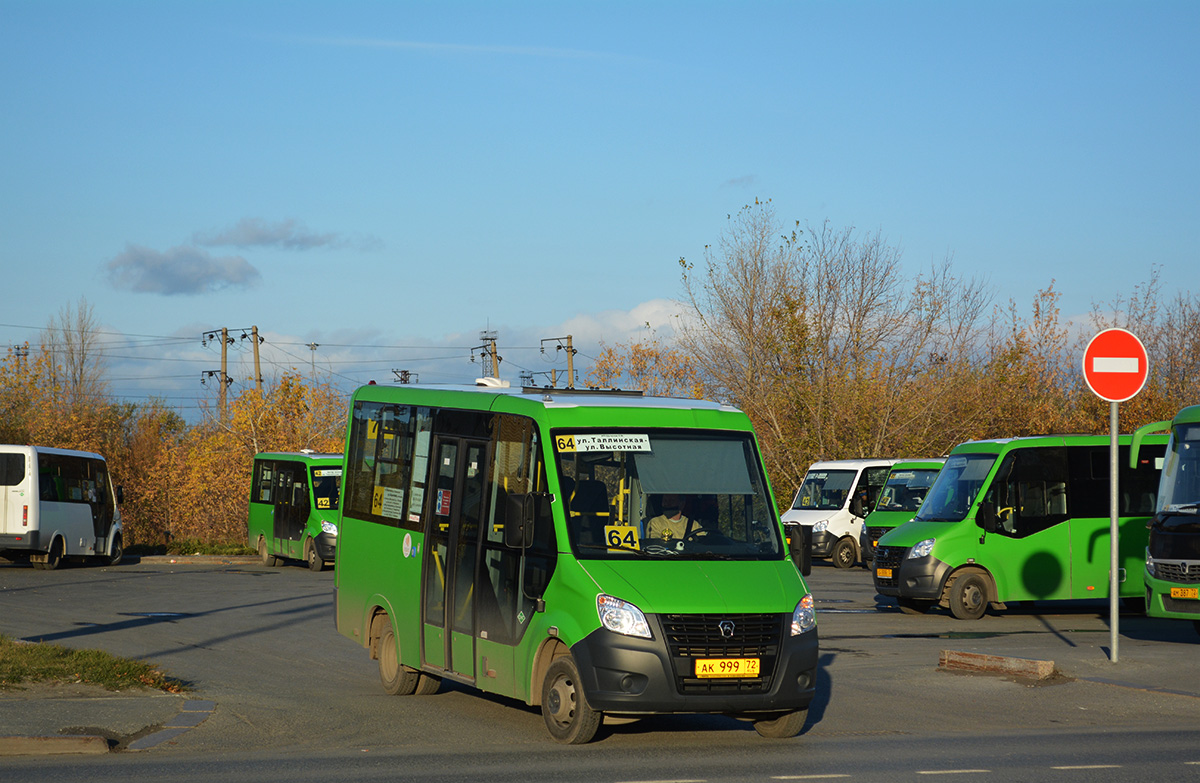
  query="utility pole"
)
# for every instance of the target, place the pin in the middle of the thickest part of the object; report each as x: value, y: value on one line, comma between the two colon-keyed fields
x: 491, y: 367
x: 225, y: 341
x: 313, y: 372
x: 255, y: 340
x: 570, y: 359
x: 406, y: 376
x: 21, y: 352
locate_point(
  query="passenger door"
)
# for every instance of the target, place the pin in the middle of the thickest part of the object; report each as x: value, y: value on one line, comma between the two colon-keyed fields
x: 456, y: 506
x: 291, y: 508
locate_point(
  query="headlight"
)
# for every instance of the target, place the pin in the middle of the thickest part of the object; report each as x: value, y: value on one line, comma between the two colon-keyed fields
x: 1149, y: 563
x: 805, y: 616
x: 821, y: 526
x: 922, y: 549
x: 621, y: 617
x: 329, y: 527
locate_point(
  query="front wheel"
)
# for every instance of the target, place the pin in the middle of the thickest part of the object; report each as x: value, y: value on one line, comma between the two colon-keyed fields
x: 315, y: 563
x: 968, y: 597
x: 786, y: 725
x: 564, y: 705
x: 117, y: 552
x: 844, y: 554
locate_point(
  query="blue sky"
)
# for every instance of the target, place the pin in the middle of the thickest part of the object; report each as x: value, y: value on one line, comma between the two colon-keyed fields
x: 387, y: 179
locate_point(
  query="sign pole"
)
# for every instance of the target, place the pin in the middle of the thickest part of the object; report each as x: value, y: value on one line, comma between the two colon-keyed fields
x: 1114, y: 584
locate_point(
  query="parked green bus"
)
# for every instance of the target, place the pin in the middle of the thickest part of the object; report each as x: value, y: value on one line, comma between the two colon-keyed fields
x: 294, y: 502
x: 592, y: 553
x: 1173, y: 549
x: 903, y: 492
x: 1025, y: 519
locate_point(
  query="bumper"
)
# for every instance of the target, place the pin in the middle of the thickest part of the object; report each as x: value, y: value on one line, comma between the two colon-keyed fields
x: 623, y: 674
x: 22, y: 542
x: 1160, y: 603
x: 326, y: 546
x: 922, y: 578
x: 822, y: 543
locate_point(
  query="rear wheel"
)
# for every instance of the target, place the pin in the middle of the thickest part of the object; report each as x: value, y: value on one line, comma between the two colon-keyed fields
x: 968, y: 597
x: 54, y: 557
x: 845, y: 553
x: 565, y: 707
x: 786, y: 725
x: 268, y: 559
x: 397, y: 679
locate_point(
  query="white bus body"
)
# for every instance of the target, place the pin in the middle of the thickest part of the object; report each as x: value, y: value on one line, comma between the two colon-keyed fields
x: 57, y: 504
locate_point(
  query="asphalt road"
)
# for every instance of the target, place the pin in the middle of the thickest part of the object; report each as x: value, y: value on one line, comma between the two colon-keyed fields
x: 294, y: 700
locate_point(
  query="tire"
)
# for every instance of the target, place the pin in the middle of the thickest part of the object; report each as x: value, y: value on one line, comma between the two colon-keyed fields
x: 117, y: 553
x: 783, y: 726
x: 397, y: 679
x: 968, y: 597
x: 269, y: 560
x: 54, y: 558
x: 915, y: 605
x: 427, y: 684
x: 315, y: 563
x: 569, y: 717
x: 845, y: 553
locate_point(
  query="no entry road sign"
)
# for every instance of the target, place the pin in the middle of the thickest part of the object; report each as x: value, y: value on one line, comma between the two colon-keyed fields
x: 1115, y: 366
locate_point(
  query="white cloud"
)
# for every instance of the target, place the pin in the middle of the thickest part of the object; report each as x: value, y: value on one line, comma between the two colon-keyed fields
x: 181, y: 270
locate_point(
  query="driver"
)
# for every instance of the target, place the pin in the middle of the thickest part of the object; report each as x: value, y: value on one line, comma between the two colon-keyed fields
x: 671, y: 523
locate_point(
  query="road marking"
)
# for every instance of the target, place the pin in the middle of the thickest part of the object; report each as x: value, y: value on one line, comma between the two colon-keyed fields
x: 950, y: 771
x: 1090, y: 766
x: 807, y: 777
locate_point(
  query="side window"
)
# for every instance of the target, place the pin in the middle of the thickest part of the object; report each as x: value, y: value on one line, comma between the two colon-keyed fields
x: 876, y: 479
x: 264, y: 476
x: 380, y: 464
x: 1029, y: 491
x: 12, y: 469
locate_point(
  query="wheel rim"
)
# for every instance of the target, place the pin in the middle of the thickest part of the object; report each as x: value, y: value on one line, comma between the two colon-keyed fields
x: 560, y: 701
x: 972, y: 596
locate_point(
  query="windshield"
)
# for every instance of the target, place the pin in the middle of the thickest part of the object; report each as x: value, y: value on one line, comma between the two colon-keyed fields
x: 1179, y: 487
x: 906, y: 489
x: 824, y: 490
x: 957, y: 485
x: 670, y: 494
x: 327, y: 487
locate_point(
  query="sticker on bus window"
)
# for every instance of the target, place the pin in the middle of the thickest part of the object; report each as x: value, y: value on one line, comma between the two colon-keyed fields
x: 387, y: 502
x: 443, y: 502
x: 623, y: 442
x: 622, y: 537
x: 327, y: 472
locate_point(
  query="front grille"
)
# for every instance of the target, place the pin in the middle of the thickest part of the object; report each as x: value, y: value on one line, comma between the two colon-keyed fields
x: 876, y: 533
x: 1181, y: 605
x: 1177, y: 570
x: 889, y: 557
x: 692, y: 636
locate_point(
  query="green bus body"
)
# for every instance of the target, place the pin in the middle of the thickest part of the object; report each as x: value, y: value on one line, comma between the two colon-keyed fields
x: 1025, y: 519
x: 294, y: 502
x: 1172, y: 570
x: 484, y: 531
x: 907, y: 484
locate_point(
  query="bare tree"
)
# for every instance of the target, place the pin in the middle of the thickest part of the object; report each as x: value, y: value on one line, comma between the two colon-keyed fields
x: 77, y: 365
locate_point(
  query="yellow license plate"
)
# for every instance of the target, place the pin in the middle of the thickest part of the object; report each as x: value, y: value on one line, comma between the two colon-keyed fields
x: 1185, y: 592
x: 727, y: 667
x: 883, y: 573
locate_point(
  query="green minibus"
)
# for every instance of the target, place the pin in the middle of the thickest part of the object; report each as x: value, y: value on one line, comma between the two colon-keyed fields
x: 1024, y: 519
x: 903, y: 492
x: 294, y: 501
x: 589, y: 552
x: 1172, y: 571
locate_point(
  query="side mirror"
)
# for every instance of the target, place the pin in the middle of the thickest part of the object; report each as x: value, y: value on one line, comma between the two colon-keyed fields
x: 985, y: 517
x: 856, y: 507
x: 799, y: 548
x: 519, y: 519
x: 120, y: 494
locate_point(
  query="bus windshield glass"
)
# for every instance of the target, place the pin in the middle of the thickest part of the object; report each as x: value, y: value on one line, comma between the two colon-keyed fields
x: 824, y: 490
x: 957, y: 485
x: 906, y: 489
x: 668, y: 494
x: 327, y: 487
x: 1179, y: 492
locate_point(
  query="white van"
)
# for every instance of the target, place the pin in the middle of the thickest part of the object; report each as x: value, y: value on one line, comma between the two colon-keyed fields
x: 832, y: 502
x: 57, y: 504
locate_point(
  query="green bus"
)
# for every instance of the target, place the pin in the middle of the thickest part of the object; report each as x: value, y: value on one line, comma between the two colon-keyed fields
x: 294, y: 501
x: 1024, y: 519
x: 1172, y: 571
x: 589, y: 552
x: 903, y: 492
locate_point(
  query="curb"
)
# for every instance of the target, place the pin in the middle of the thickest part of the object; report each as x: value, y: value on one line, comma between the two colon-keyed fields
x: 1027, y: 668
x: 45, y: 746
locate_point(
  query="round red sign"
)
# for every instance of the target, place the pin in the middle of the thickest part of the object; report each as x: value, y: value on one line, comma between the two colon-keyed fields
x: 1115, y: 365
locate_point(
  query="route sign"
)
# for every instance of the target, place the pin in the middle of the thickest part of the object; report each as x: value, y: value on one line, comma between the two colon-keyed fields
x: 1115, y: 365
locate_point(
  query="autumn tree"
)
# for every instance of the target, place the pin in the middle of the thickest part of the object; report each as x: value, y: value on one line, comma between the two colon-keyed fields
x: 647, y: 364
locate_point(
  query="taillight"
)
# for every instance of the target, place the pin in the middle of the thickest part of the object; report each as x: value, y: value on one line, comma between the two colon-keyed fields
x: 24, y: 516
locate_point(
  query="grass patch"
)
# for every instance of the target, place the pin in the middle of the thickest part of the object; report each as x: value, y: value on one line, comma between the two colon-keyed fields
x: 25, y: 662
x: 189, y: 547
